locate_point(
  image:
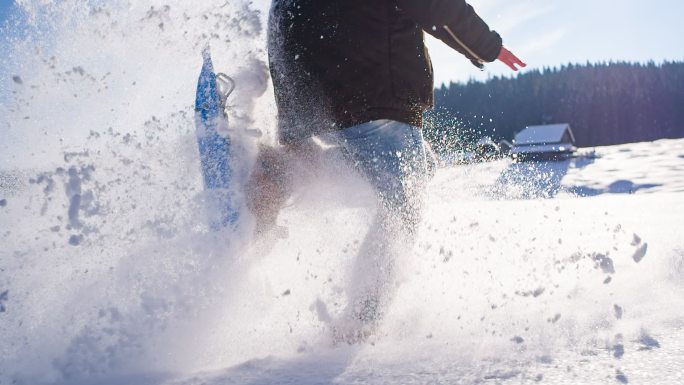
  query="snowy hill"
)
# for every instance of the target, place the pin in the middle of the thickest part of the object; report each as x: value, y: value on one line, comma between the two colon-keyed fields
x: 568, y: 272
x: 557, y: 290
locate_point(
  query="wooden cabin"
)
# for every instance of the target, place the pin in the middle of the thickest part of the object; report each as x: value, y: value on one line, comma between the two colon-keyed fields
x: 553, y: 141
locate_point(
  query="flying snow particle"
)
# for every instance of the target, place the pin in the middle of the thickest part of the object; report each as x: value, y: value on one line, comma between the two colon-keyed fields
x: 545, y: 359
x: 73, y: 190
x: 518, y: 339
x: 3, y: 298
x: 79, y: 70
x: 621, y: 377
x: 75, y: 240
x: 321, y: 311
x: 648, y: 342
x: 640, y: 253
x: 532, y: 293
x: 605, y: 263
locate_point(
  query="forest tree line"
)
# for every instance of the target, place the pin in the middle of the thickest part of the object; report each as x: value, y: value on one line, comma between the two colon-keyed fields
x: 608, y: 103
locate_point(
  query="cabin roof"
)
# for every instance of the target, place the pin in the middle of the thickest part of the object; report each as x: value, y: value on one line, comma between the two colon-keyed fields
x: 547, y: 134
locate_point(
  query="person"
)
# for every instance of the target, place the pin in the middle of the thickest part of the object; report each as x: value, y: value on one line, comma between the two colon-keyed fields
x: 358, y: 71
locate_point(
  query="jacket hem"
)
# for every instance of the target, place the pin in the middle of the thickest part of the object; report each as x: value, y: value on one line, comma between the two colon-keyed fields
x: 412, y: 117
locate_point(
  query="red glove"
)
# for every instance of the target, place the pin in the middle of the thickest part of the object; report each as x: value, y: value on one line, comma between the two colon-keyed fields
x: 508, y: 58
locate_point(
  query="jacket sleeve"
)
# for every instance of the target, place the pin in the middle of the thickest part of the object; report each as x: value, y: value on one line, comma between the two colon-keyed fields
x: 456, y: 24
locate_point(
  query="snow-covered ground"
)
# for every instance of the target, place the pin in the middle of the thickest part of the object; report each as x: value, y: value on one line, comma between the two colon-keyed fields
x: 631, y: 168
x: 560, y: 272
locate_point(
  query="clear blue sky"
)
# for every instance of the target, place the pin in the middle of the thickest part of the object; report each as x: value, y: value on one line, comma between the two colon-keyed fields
x: 5, y: 6
x: 554, y: 32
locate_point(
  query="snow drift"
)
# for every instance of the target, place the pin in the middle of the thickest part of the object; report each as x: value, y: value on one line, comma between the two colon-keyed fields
x: 553, y: 272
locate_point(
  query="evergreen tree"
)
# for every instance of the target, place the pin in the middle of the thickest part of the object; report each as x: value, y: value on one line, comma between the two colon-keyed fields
x: 605, y: 103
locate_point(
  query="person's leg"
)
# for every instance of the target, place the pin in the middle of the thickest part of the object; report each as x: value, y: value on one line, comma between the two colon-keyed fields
x: 268, y: 187
x: 270, y: 183
x: 391, y: 156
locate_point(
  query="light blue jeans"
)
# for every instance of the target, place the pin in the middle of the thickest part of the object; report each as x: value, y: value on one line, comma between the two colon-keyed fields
x: 391, y: 155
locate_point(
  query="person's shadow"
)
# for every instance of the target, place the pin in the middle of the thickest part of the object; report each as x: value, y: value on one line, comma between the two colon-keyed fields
x: 621, y: 186
x: 543, y: 179
x: 308, y: 368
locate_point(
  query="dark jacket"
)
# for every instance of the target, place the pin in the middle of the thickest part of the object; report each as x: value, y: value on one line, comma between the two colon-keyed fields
x: 338, y: 63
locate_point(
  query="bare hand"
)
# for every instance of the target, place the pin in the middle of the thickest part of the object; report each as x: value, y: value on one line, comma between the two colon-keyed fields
x: 508, y: 58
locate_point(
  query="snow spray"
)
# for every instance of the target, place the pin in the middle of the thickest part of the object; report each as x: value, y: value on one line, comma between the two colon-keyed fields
x: 108, y: 273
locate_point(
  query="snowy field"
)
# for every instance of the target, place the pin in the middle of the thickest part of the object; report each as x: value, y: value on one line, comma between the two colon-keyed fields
x: 553, y: 273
